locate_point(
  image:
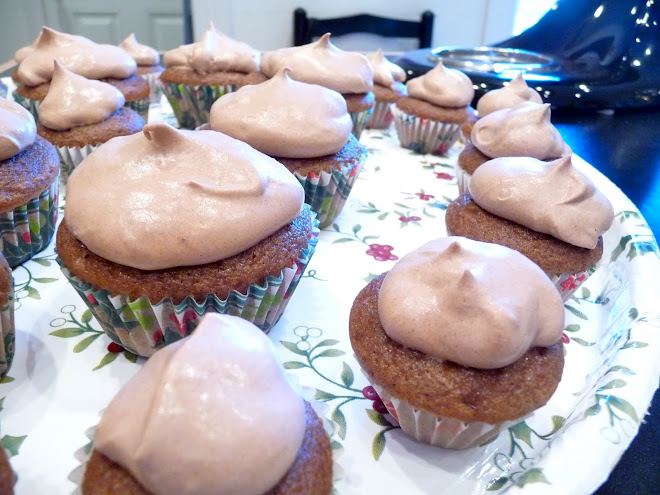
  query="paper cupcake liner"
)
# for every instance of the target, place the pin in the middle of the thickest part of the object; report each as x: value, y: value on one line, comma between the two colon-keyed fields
x: 424, y: 135
x: 70, y: 158
x: 155, y: 87
x: 381, y: 117
x: 360, y: 120
x: 7, y: 332
x: 31, y: 105
x: 26, y: 230
x: 192, y: 104
x: 141, y: 106
x: 462, y: 178
x: 567, y: 283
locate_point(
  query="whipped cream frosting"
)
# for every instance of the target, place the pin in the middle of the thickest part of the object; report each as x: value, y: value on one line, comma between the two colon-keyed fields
x: 553, y: 198
x: 524, y: 130
x: 76, y: 53
x: 142, y: 54
x: 324, y: 64
x: 285, y: 118
x: 211, y: 413
x: 385, y: 72
x: 73, y: 101
x: 164, y: 198
x: 17, y: 129
x: 215, y: 52
x: 443, y: 87
x: 449, y: 300
x: 509, y: 96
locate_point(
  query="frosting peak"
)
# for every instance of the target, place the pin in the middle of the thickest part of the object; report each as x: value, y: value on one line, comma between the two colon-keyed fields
x: 443, y: 87
x: 142, y: 54
x: 446, y: 299
x: 263, y: 116
x: 507, y: 97
x: 385, y: 72
x: 17, y: 129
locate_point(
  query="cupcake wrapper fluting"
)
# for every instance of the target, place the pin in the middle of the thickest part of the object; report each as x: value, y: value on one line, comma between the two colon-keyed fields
x: 31, y: 105
x: 155, y: 87
x: 381, y: 117
x: 567, y: 283
x: 70, y: 158
x: 360, y: 120
x: 424, y: 135
x: 462, y: 178
x: 26, y: 230
x: 192, y: 104
x: 141, y: 106
x: 7, y: 332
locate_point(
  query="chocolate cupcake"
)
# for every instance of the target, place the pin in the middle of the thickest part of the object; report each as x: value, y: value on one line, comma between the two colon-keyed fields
x: 389, y: 88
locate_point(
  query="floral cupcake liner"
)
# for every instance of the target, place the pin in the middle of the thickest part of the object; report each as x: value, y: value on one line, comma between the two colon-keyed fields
x: 567, y: 283
x: 29, y: 104
x: 381, y: 117
x: 192, y: 104
x: 7, y: 332
x: 360, y: 120
x: 424, y: 135
x: 141, y: 106
x: 70, y: 158
x: 26, y: 230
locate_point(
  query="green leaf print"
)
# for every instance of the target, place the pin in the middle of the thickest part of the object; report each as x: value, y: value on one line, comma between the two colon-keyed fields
x: 86, y: 316
x: 107, y: 359
x: 330, y: 353
x: 497, y: 483
x: 324, y: 396
x: 292, y: 347
x: 621, y: 369
x: 378, y: 444
x: 623, y: 406
x: 12, y: 444
x: 44, y: 280
x: 347, y: 376
x: 338, y: 417
x: 522, y: 432
x: 67, y: 332
x: 593, y: 410
x: 84, y: 343
x: 377, y: 418
x: 327, y: 343
x: 294, y: 365
x: 620, y: 247
x: 576, y: 312
x: 618, y: 383
x: 534, y: 475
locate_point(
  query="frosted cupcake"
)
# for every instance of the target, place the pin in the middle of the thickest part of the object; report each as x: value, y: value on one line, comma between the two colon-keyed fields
x: 388, y: 89
x: 429, y: 119
x: 148, y: 65
x: 199, y: 73
x: 550, y: 212
x: 454, y: 354
x: 163, y: 226
x: 303, y: 126
x: 7, y: 329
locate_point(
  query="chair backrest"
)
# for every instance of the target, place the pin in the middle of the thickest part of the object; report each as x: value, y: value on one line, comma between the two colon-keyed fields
x: 305, y: 28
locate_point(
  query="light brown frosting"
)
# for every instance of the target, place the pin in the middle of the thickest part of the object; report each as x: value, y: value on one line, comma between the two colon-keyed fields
x: 73, y: 101
x: 443, y: 87
x: 285, y: 118
x: 164, y: 198
x: 385, y: 72
x: 524, y: 130
x: 479, y: 305
x: 215, y: 52
x: 17, y: 129
x: 142, y: 54
x: 324, y: 64
x: 77, y: 54
x: 554, y: 198
x: 211, y: 413
x: 507, y: 97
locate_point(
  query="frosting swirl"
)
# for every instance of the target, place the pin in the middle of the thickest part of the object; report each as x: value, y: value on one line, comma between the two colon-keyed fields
x: 62, y: 108
x: 76, y: 53
x: 167, y: 198
x: 507, y: 97
x: 524, y: 130
x: 443, y: 87
x: 17, y: 129
x: 385, y: 72
x: 447, y: 300
x: 215, y: 52
x: 211, y: 413
x: 553, y: 198
x: 324, y: 64
x: 285, y: 118
x: 142, y: 54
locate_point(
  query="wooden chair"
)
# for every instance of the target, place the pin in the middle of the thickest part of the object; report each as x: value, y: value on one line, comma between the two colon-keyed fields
x: 305, y: 28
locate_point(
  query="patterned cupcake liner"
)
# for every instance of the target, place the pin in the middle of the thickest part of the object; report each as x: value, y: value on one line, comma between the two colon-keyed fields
x: 7, y: 333
x: 192, y: 104
x: 382, y: 117
x: 26, y: 230
x: 360, y: 120
x: 70, y: 158
x: 31, y: 105
x: 567, y: 283
x: 424, y: 135
x: 155, y: 87
x: 142, y: 327
x: 141, y: 106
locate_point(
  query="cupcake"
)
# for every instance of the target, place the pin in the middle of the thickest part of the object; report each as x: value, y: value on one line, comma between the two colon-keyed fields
x: 429, y: 119
x: 550, y: 212
x: 388, y: 89
x: 454, y: 354
x: 303, y: 126
x: 108, y: 63
x: 29, y: 168
x: 163, y: 226
x: 148, y: 65
x: 213, y: 413
x: 199, y: 73
x: 7, y: 330
x: 322, y: 63
x: 77, y: 128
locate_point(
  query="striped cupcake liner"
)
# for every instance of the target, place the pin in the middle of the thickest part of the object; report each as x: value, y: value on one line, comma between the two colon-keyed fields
x: 31, y: 105
x: 424, y: 135
x: 360, y: 120
x: 382, y: 117
x: 26, y: 230
x: 70, y: 158
x: 192, y: 104
x: 7, y: 333
x: 141, y: 106
x: 568, y: 283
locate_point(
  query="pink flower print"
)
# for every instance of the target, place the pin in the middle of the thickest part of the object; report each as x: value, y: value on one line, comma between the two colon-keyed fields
x: 25, y: 236
x: 381, y: 252
x: 414, y: 218
x: 115, y: 348
x: 370, y: 393
x: 158, y: 336
x: 565, y: 338
x: 91, y: 299
x: 424, y: 197
x: 184, y: 327
x: 443, y: 175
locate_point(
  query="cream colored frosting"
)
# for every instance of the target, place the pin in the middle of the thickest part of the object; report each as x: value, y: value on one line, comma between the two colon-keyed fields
x: 73, y: 101
x: 77, y: 54
x: 212, y: 413
x: 554, y: 198
x: 507, y: 97
x: 443, y: 87
x: 524, y: 130
x: 165, y: 198
x: 215, y: 52
x: 324, y: 64
x: 385, y: 72
x: 142, y: 54
x: 17, y: 129
x: 479, y: 305
x: 285, y: 118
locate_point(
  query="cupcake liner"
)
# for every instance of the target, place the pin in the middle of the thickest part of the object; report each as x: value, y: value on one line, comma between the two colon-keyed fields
x: 26, y: 230
x: 381, y: 117
x: 155, y: 87
x: 424, y: 135
x: 462, y: 178
x: 192, y: 104
x: 567, y: 283
x: 360, y: 120
x: 141, y: 106
x: 7, y: 332
x: 142, y: 327
x: 70, y: 158
x: 31, y: 105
